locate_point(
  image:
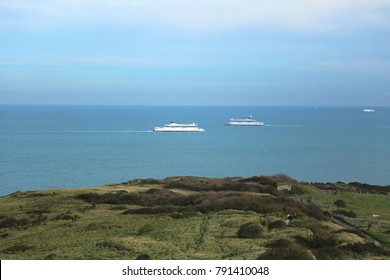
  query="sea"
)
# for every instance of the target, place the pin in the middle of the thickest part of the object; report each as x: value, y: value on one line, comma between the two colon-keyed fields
x: 55, y: 147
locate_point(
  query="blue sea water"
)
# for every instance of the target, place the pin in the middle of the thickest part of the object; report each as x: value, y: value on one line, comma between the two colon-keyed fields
x: 44, y: 147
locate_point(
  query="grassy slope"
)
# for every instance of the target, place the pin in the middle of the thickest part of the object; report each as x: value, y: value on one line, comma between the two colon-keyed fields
x: 192, y: 218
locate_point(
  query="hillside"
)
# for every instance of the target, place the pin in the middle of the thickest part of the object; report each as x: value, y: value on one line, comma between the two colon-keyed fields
x: 272, y: 217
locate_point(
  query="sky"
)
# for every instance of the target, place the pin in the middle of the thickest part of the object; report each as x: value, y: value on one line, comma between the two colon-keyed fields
x: 204, y: 52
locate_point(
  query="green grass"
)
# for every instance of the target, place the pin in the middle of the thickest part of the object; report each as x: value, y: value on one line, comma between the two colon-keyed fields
x: 199, y: 219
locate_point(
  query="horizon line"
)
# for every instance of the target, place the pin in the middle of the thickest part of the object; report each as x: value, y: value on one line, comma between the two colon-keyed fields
x: 191, y: 105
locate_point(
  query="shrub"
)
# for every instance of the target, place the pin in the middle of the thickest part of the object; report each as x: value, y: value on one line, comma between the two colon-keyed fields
x: 323, y: 242
x: 263, y: 180
x: 149, y: 181
x: 278, y: 243
x: 151, y: 197
x: 294, y: 207
x: 154, y: 197
x: 323, y: 238
x: 284, y: 178
x: 250, y: 230
x: 213, y: 202
x: 313, y: 211
x: 340, y: 203
x: 260, y: 184
x: 108, y: 198
x: 366, y: 188
x: 282, y: 249
x: 50, y: 257
x: 368, y: 249
x: 276, y: 224
x: 143, y: 257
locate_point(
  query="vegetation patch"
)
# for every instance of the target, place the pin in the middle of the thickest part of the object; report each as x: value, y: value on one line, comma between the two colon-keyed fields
x: 99, y: 226
x: 151, y: 197
x: 17, y: 249
x: 67, y: 216
x: 199, y: 218
x: 250, y: 230
x: 276, y: 224
x: 110, y: 244
x: 11, y: 222
x: 283, y: 249
x: 350, y: 213
x: 340, y: 203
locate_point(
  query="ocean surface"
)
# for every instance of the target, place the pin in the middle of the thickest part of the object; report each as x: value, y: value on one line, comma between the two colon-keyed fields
x: 45, y: 147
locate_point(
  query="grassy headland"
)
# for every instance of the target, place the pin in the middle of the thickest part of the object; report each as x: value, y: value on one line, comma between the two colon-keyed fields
x: 199, y: 218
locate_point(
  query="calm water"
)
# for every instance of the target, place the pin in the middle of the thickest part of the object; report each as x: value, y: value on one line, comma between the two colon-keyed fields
x: 81, y: 146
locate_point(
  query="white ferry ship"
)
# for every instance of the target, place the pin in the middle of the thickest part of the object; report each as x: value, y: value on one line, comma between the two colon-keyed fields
x: 245, y: 121
x: 179, y: 127
x: 366, y: 110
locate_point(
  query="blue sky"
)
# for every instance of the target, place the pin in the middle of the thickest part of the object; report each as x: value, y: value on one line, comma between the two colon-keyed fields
x: 185, y: 52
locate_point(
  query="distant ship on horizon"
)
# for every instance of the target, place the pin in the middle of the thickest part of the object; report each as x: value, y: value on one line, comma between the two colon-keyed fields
x: 367, y: 110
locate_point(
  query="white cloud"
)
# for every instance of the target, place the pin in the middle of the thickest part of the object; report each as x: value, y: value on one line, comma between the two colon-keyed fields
x: 199, y: 14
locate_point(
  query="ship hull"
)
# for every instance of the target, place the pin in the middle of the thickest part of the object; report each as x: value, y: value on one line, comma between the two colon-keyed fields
x: 245, y: 123
x: 178, y: 129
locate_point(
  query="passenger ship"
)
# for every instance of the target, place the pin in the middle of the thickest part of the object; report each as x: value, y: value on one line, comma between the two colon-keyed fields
x: 246, y: 121
x: 179, y: 127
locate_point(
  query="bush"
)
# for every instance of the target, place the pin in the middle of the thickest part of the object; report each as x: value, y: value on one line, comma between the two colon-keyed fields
x: 282, y: 249
x: 149, y: 181
x: 108, y: 198
x: 255, y: 184
x: 313, y: 211
x: 250, y: 230
x: 263, y: 180
x: 143, y: 257
x: 366, y: 188
x: 284, y: 178
x: 340, y: 203
x: 276, y: 224
x: 151, y: 197
x: 213, y: 202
